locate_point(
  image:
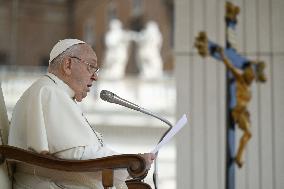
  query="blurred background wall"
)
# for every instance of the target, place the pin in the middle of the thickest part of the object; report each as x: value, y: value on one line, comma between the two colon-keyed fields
x: 29, y: 28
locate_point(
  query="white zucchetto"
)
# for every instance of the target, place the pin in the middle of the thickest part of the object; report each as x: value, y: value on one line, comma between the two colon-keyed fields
x: 62, y: 46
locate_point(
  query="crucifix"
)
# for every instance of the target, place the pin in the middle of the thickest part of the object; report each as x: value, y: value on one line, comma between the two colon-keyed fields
x: 240, y: 74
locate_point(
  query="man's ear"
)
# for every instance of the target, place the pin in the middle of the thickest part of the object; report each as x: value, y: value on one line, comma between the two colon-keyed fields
x: 66, y: 66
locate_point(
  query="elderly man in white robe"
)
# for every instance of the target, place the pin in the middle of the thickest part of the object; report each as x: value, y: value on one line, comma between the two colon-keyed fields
x: 47, y: 120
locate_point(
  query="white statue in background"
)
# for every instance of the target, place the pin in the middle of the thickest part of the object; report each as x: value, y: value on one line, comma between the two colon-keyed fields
x: 148, y: 55
x: 117, y: 41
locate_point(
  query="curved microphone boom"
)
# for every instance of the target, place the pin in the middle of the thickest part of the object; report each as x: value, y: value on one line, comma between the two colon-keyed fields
x: 113, y: 98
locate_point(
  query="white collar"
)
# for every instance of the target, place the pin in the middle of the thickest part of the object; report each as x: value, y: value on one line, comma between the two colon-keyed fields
x: 62, y: 85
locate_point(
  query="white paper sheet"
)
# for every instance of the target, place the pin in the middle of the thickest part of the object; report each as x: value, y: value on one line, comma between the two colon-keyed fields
x: 175, y: 129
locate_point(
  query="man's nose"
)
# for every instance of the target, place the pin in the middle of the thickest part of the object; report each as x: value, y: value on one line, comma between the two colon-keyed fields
x: 95, y: 77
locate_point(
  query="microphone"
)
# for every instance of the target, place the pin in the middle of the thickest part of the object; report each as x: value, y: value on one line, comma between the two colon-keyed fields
x: 113, y: 98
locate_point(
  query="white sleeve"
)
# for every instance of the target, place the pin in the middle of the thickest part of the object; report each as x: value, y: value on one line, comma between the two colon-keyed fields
x: 93, y: 152
x: 72, y: 153
x: 85, y: 152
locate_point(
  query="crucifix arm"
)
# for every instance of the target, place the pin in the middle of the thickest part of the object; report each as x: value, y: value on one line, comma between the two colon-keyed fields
x: 236, y: 72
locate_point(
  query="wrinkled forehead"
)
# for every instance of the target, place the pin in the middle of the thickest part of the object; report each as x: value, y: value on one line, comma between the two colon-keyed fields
x: 86, y: 52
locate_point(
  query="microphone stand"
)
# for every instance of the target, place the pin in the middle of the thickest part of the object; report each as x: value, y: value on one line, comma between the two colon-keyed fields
x: 155, y: 175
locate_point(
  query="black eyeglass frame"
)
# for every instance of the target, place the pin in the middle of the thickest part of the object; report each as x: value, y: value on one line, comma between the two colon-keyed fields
x: 92, y: 69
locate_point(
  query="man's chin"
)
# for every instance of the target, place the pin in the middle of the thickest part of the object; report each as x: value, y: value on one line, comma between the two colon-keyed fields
x: 79, y: 98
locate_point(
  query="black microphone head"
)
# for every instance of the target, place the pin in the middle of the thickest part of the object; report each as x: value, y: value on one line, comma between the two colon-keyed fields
x: 107, y: 96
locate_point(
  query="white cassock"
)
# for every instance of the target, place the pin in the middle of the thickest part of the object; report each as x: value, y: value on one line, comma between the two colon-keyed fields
x: 46, y: 118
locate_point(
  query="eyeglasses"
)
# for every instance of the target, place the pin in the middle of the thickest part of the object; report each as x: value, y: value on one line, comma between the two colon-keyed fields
x: 92, y: 69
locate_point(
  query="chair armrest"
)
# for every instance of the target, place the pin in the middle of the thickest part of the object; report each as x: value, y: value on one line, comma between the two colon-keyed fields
x: 135, y: 164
